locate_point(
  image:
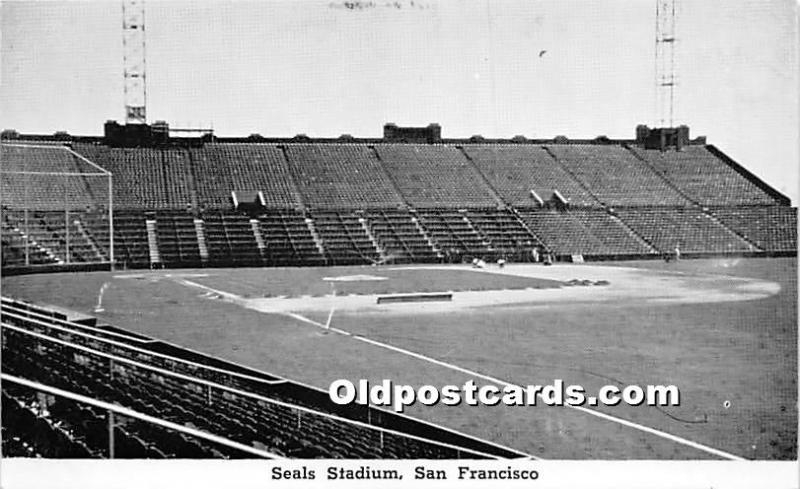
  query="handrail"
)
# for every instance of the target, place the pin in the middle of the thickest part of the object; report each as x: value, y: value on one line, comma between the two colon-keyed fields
x: 137, y: 415
x: 137, y: 349
x: 244, y: 393
x: 18, y: 311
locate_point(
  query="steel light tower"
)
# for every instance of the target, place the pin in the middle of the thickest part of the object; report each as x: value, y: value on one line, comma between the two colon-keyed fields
x: 133, y: 52
x: 665, y: 62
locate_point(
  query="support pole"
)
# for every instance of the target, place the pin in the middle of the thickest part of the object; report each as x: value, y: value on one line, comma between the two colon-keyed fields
x: 66, y: 218
x: 110, y: 222
x: 66, y: 222
x: 27, y: 233
x: 110, y: 434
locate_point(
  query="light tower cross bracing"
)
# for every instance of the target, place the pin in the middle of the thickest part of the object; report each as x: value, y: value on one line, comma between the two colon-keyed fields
x: 665, y: 62
x: 133, y: 53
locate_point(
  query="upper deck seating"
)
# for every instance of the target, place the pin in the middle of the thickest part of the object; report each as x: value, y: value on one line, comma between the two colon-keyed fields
x: 53, y: 179
x: 341, y: 176
x: 515, y: 170
x: 144, y: 178
x: 434, y: 176
x: 705, y: 178
x: 222, y: 168
x: 615, y: 176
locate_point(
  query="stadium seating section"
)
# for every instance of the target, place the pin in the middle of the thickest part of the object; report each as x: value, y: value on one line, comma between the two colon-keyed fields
x: 703, y: 177
x: 340, y: 176
x: 516, y: 170
x: 319, y: 203
x: 187, y: 389
x: 334, y: 203
x: 615, y: 177
x: 434, y: 176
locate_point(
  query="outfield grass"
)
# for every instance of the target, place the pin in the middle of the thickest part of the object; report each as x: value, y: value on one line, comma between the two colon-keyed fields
x: 744, y: 352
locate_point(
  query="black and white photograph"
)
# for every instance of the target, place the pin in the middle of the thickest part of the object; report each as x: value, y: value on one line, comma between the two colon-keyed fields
x: 414, y: 243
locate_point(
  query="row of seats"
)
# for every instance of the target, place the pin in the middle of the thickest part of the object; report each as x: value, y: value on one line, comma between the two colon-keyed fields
x: 57, y: 234
x: 382, y: 175
x: 704, y: 177
x: 453, y: 234
x: 434, y: 176
x: 282, y: 429
x: 288, y: 240
x: 295, y: 238
x: 17, y: 251
x: 615, y: 176
x: 222, y: 168
x: 340, y: 176
x: 688, y: 229
x: 400, y: 236
x: 345, y: 239
x: 770, y: 228
x: 48, y: 178
x: 562, y: 233
x: 144, y: 178
x: 516, y: 170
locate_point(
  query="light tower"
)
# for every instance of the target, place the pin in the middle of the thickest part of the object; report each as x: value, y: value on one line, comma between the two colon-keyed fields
x: 665, y: 63
x: 133, y: 52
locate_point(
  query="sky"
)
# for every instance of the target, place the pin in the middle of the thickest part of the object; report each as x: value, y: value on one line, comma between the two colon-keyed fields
x: 495, y: 68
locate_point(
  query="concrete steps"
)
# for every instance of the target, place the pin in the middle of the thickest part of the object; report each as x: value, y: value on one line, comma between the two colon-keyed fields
x: 202, y: 246
x: 152, y: 243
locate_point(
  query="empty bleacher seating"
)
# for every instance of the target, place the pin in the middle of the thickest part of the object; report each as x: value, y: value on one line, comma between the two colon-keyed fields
x: 690, y: 229
x: 144, y: 178
x: 769, y: 227
x: 230, y: 240
x: 616, y: 239
x: 344, y: 238
x: 505, y: 234
x: 434, y: 176
x: 615, y: 176
x: 288, y: 240
x: 562, y: 233
x: 514, y: 170
x: 220, y: 169
x: 48, y: 178
x: 57, y: 234
x: 703, y: 177
x: 366, y: 202
x: 84, y: 361
x: 342, y: 176
x: 401, y: 239
x: 454, y: 234
x: 177, y: 239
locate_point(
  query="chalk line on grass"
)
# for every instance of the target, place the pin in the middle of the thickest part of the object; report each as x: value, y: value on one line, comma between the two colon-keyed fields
x: 630, y: 424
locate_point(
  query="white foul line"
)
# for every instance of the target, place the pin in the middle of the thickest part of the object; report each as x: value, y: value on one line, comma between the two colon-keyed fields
x: 591, y: 412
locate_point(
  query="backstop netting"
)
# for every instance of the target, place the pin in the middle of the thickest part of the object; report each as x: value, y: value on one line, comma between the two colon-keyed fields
x: 56, y: 207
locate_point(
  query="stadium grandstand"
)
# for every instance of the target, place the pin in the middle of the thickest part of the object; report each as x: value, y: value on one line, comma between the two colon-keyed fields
x: 77, y: 387
x: 296, y: 202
